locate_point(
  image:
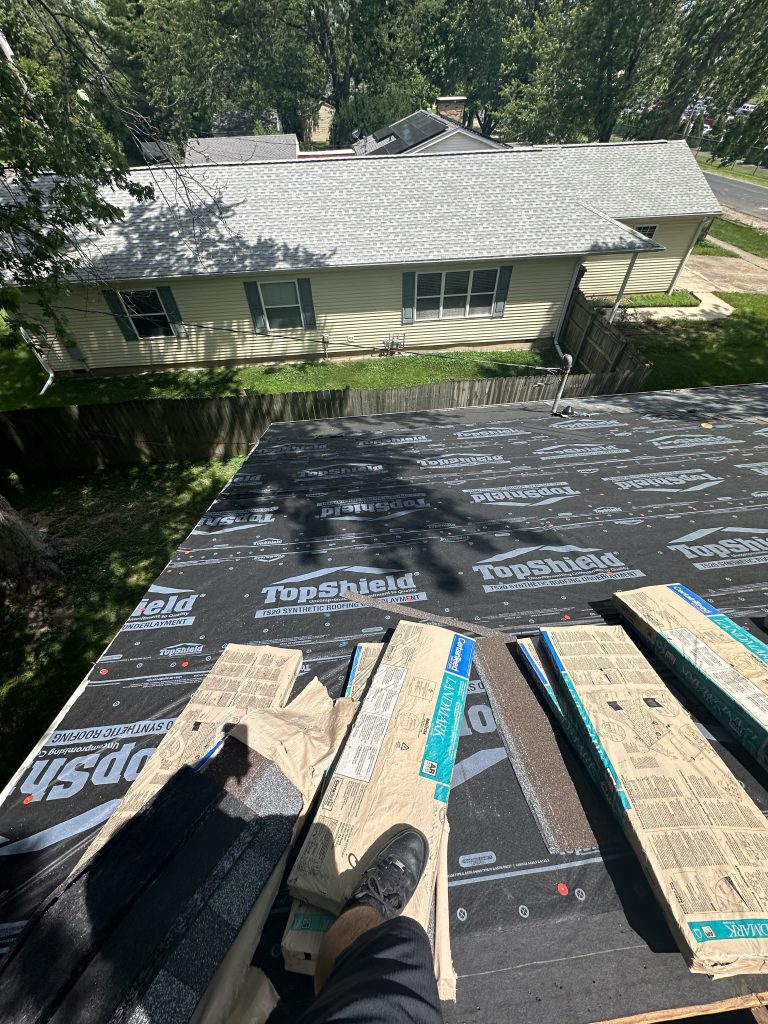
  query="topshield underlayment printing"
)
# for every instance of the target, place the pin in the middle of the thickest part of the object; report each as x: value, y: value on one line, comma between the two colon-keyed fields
x: 702, y: 841
x: 522, y: 520
x: 722, y: 663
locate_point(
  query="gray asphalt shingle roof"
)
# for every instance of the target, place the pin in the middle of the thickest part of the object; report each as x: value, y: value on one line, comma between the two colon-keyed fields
x: 302, y: 215
x: 241, y: 149
x: 309, y: 214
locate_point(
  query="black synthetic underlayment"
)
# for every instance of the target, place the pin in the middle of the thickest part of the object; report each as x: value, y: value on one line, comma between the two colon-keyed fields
x: 137, y: 934
x: 504, y: 516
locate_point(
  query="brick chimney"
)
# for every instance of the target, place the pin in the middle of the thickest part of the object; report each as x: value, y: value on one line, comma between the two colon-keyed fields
x: 452, y: 107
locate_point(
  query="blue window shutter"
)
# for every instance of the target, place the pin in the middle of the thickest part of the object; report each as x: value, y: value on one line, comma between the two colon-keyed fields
x: 172, y: 311
x: 307, y: 305
x: 117, y: 309
x: 257, y: 310
x: 409, y: 297
x: 502, y: 290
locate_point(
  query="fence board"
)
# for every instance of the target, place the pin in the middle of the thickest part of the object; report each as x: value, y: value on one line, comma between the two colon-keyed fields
x: 68, y: 438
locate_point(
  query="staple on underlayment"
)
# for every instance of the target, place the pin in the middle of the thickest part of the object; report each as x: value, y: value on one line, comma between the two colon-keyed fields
x: 543, y: 766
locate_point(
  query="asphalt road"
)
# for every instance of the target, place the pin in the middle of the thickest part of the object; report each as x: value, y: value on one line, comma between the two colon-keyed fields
x: 740, y: 195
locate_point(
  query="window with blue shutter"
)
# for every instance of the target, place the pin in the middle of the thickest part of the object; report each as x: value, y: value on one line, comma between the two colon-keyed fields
x: 455, y: 294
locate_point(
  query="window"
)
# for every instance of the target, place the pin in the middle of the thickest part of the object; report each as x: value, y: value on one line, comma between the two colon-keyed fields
x: 649, y: 230
x: 282, y: 307
x: 147, y: 313
x: 455, y: 293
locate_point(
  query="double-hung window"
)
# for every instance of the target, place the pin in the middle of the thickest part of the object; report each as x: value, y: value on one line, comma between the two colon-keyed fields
x: 147, y: 313
x: 451, y: 294
x: 282, y: 307
x: 649, y: 230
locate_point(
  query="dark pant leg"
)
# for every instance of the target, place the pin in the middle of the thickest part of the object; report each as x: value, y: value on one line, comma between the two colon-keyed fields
x: 386, y: 976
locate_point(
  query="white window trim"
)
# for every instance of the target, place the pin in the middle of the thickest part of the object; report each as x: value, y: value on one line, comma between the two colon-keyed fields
x: 466, y: 315
x: 131, y: 316
x: 653, y: 228
x: 282, y: 280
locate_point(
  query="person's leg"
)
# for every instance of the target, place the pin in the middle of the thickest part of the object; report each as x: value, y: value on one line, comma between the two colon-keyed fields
x: 340, y: 936
x: 376, y: 967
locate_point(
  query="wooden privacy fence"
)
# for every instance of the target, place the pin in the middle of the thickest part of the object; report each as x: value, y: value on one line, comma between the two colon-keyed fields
x: 73, y: 437
x: 596, y: 345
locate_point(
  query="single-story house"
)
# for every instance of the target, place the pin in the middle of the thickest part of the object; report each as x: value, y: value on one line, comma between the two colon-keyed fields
x: 425, y: 131
x: 287, y: 260
x: 241, y: 149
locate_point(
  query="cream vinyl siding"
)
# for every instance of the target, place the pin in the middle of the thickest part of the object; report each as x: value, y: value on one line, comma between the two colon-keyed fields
x: 653, y: 272
x: 453, y: 142
x: 359, y: 309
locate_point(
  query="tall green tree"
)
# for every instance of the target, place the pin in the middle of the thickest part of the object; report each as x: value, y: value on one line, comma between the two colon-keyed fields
x: 719, y: 49
x: 62, y: 123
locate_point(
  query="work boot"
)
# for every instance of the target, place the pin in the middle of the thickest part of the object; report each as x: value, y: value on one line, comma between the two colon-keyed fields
x: 390, y: 881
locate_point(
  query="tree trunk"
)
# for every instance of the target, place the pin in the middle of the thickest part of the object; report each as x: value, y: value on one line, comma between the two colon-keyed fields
x: 25, y: 560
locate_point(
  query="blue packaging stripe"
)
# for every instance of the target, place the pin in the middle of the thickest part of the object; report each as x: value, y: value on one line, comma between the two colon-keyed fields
x: 745, y: 638
x: 542, y: 680
x: 734, y: 928
x: 443, y: 738
x: 584, y: 715
x: 353, y: 670
x: 692, y: 599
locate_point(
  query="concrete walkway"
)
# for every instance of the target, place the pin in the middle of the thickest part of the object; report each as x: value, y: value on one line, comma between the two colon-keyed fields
x: 718, y: 274
x: 749, y: 257
x: 711, y: 308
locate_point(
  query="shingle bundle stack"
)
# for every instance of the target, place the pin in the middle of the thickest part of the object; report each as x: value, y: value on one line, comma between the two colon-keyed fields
x: 701, y: 840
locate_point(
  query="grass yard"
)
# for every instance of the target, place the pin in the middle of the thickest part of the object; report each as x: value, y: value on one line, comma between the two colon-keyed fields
x: 690, y: 354
x: 750, y: 239
x: 735, y: 171
x: 678, y: 298
x: 112, y: 531
x: 708, y: 248
x: 21, y: 377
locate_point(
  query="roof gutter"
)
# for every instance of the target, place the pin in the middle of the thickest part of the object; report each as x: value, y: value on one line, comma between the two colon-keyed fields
x: 40, y: 358
x: 104, y: 281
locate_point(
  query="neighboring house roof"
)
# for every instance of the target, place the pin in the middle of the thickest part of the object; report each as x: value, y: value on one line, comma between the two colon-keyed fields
x: 313, y: 214
x: 415, y: 132
x: 240, y: 149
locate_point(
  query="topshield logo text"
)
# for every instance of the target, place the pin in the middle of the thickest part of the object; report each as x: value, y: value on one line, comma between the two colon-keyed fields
x: 340, y: 471
x: 323, y: 591
x: 579, y: 451
x: 394, y: 439
x: 522, y: 496
x: 59, y: 778
x: 678, y: 442
x: 557, y: 565
x: 391, y: 506
x: 233, y: 522
x: 723, y: 546
x: 483, y: 432
x: 673, y: 482
x: 164, y: 607
x: 460, y: 461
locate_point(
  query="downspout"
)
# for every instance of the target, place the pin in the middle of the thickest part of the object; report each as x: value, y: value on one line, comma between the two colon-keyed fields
x: 703, y: 230
x: 624, y: 284
x: 40, y: 358
x: 566, y: 306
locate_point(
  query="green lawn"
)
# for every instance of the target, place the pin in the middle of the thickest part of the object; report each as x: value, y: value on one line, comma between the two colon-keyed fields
x: 735, y: 171
x: 707, y: 248
x: 112, y: 531
x: 652, y: 299
x: 700, y: 354
x: 21, y: 377
x: 751, y: 239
